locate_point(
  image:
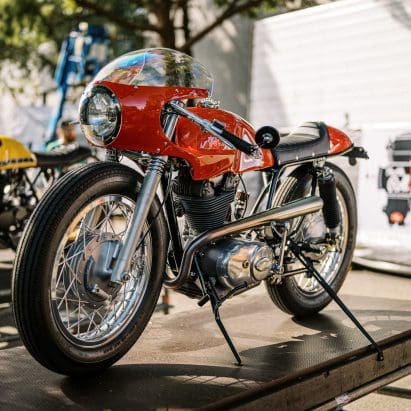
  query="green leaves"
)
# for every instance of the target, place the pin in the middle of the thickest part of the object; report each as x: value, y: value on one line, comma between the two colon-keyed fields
x: 26, y: 24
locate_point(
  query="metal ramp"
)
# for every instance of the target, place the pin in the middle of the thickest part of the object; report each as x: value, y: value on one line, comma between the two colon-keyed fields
x: 182, y: 362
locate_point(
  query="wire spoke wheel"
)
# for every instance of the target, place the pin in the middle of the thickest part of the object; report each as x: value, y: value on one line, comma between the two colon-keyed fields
x: 70, y: 315
x: 301, y: 294
x: 88, y: 310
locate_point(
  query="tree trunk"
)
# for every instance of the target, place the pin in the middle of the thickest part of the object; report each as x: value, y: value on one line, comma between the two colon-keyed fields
x: 162, y: 10
x: 186, y: 26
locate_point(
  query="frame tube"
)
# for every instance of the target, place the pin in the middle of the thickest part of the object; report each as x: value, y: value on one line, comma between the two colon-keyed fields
x: 291, y: 210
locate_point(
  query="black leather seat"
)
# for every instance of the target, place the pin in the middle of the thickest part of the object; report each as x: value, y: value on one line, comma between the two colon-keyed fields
x: 62, y: 158
x: 310, y: 140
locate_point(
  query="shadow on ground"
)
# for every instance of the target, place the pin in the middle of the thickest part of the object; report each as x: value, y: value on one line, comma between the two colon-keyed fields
x: 187, y: 379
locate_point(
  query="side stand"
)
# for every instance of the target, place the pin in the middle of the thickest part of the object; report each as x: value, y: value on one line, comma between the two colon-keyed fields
x: 296, y: 250
x: 210, y: 294
x: 216, y: 304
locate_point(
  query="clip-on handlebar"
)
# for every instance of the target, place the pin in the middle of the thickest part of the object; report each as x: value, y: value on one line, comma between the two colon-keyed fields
x: 218, y: 130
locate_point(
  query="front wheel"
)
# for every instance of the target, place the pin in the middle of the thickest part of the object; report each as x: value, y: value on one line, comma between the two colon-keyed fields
x: 302, y: 295
x: 71, y: 318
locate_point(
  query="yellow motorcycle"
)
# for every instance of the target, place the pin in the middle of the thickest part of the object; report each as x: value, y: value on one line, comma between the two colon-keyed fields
x: 24, y: 176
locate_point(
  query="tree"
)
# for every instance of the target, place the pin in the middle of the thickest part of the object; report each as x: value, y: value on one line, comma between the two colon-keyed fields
x: 25, y: 24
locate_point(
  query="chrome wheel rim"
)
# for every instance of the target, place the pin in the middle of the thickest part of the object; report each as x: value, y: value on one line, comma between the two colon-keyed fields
x: 87, y: 310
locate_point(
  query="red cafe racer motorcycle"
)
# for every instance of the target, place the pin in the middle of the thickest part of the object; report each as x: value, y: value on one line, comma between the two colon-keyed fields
x: 104, y: 239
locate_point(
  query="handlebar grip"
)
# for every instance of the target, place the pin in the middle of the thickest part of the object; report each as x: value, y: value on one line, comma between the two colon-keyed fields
x: 239, y: 144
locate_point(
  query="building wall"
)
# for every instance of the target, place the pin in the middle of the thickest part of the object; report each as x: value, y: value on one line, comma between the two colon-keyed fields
x: 349, y: 56
x: 226, y: 51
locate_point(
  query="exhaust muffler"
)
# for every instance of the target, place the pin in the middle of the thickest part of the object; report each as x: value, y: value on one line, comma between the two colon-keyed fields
x: 285, y: 212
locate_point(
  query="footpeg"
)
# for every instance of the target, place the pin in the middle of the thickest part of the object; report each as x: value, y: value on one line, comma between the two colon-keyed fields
x: 314, y: 252
x: 204, y: 300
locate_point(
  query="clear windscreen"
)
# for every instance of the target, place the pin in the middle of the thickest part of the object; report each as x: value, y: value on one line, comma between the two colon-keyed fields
x: 157, y: 67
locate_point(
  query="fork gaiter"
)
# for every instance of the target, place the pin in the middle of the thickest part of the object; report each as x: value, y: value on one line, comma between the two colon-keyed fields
x: 328, y: 193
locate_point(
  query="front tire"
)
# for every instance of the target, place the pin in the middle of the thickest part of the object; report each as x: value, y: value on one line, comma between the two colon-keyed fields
x: 70, y: 317
x: 299, y: 295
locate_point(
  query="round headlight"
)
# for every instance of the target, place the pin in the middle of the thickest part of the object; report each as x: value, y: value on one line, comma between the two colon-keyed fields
x: 100, y: 115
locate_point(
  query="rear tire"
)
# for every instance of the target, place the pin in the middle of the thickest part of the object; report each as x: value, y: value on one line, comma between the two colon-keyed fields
x: 45, y: 292
x: 289, y: 296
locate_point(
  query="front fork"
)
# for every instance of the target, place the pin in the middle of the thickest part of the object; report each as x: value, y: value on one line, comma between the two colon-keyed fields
x: 144, y: 200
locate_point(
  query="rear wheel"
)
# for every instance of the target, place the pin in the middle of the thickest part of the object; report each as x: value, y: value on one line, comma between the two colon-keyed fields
x: 70, y: 316
x: 302, y: 295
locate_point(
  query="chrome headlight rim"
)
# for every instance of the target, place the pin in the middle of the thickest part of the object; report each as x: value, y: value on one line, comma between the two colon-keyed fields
x: 99, y: 140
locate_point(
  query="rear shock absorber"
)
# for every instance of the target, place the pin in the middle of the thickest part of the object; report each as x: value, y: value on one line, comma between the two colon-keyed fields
x: 328, y: 193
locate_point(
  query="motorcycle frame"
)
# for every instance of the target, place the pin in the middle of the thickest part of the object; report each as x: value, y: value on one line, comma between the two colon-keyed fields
x: 175, y: 258
x: 122, y: 262
x: 184, y: 258
x: 209, y: 292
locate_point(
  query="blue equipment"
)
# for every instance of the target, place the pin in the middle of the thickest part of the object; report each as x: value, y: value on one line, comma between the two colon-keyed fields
x: 83, y: 53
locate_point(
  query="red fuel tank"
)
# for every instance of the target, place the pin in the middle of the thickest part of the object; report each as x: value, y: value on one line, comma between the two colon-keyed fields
x: 208, y: 155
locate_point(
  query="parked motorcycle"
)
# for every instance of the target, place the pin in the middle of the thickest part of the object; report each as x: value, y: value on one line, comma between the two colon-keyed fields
x: 101, y: 243
x: 395, y: 179
x: 24, y: 176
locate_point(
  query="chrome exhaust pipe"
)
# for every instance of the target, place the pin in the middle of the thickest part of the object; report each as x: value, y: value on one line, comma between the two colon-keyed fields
x: 285, y: 212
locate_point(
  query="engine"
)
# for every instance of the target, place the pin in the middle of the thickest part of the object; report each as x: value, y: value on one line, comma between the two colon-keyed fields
x: 15, y: 207
x: 235, y: 261
x: 206, y: 205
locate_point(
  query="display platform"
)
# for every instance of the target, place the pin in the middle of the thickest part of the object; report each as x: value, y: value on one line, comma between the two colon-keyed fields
x: 182, y: 362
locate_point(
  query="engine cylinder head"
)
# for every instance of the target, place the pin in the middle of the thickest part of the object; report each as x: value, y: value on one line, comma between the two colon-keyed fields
x: 207, y: 213
x: 205, y: 203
